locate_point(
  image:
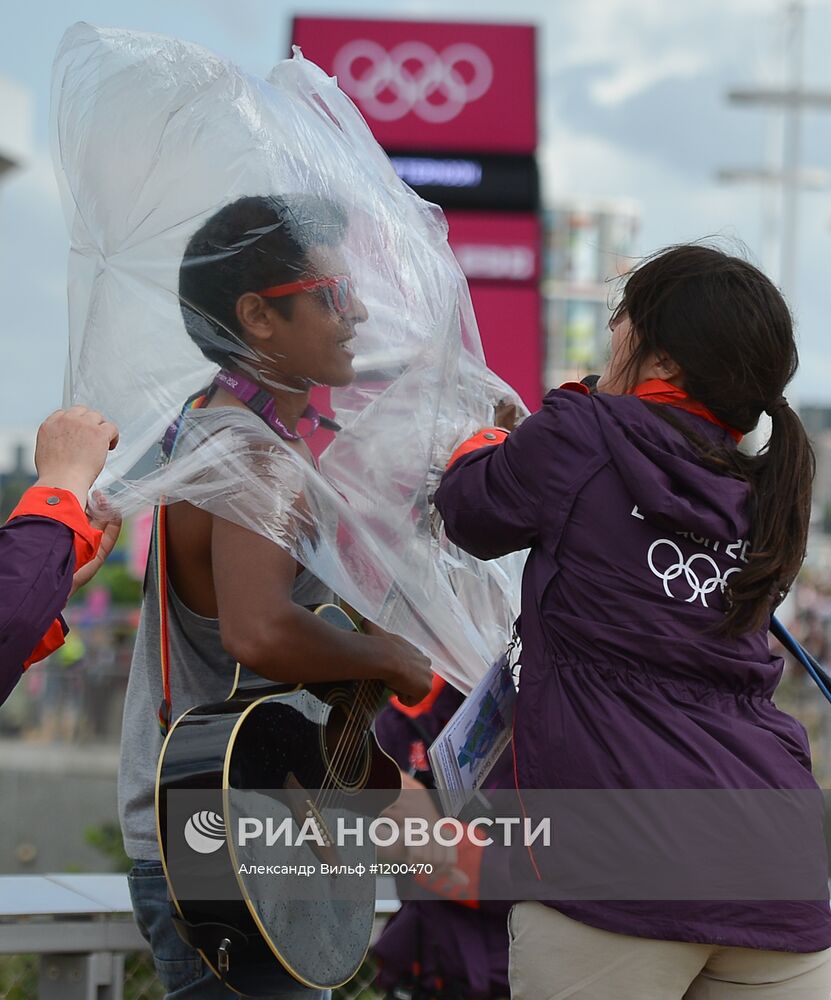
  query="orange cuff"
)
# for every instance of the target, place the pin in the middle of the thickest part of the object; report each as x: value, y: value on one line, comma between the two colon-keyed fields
x: 52, y: 640
x: 584, y: 390
x: 485, y: 438
x: 62, y: 505
x: 423, y: 706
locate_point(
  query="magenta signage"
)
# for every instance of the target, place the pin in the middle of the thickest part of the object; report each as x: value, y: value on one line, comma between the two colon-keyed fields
x: 438, y: 86
x: 508, y: 317
x: 500, y: 255
x: 496, y: 246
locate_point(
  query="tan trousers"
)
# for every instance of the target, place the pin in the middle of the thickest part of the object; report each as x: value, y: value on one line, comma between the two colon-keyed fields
x: 556, y: 958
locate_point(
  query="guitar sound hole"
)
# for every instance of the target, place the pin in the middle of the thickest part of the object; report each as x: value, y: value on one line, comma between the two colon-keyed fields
x: 347, y: 746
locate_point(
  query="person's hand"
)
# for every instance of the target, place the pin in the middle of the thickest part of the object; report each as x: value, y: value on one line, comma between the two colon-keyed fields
x: 505, y: 415
x: 109, y: 522
x: 406, y: 669
x: 415, y: 802
x: 71, y: 449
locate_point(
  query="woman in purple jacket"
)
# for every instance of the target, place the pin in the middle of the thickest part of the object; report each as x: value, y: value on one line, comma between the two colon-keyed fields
x: 657, y: 554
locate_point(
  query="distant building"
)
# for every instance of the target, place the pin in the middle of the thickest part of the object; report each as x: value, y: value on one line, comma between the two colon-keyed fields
x: 817, y: 421
x: 587, y: 245
x: 17, y: 471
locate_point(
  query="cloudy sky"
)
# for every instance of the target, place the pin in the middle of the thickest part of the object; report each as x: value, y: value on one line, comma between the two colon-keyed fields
x: 632, y: 106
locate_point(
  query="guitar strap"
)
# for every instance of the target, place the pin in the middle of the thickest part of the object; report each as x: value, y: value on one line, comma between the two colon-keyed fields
x: 159, y: 546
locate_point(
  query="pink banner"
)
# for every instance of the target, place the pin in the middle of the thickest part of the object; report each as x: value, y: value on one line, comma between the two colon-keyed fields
x: 432, y: 86
x: 496, y: 246
x: 509, y: 324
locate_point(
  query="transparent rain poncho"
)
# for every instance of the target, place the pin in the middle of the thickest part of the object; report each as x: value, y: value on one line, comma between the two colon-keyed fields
x: 189, y: 188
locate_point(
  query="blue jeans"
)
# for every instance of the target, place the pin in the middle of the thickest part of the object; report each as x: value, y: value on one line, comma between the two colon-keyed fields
x: 180, y: 968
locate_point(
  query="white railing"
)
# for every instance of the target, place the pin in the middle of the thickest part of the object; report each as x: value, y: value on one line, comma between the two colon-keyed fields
x: 81, y: 927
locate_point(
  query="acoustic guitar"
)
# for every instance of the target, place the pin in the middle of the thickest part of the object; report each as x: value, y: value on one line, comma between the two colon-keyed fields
x: 225, y: 757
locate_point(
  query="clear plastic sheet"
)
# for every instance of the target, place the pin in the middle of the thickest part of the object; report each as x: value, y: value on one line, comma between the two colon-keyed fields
x: 191, y: 187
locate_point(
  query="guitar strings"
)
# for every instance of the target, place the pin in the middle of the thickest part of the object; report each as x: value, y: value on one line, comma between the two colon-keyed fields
x: 343, y: 748
x: 350, y: 743
x: 355, y: 732
x: 346, y: 740
x: 346, y: 752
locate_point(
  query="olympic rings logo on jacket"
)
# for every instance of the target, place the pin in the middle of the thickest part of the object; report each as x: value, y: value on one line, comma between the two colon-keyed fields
x: 694, y: 570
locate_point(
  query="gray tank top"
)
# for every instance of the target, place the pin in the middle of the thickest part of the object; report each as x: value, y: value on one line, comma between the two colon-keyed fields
x: 200, y: 671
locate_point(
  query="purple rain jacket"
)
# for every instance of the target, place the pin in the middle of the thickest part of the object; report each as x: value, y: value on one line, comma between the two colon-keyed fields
x: 456, y: 944
x: 36, y: 567
x: 46, y: 538
x: 623, y: 683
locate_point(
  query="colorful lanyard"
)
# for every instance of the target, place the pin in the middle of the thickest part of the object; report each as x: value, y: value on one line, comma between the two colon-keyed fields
x: 255, y: 398
x: 262, y: 404
x: 196, y: 402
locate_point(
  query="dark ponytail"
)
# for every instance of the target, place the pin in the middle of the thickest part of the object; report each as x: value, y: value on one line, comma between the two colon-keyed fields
x: 781, y: 478
x: 728, y: 328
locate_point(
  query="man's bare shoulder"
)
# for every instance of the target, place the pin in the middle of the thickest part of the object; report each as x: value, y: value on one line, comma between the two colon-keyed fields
x: 189, y: 557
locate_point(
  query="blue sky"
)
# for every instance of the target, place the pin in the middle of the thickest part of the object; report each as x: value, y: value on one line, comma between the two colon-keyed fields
x: 632, y: 106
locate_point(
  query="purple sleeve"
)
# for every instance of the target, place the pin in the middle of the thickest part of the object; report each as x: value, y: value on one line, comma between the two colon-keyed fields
x: 36, y: 566
x: 501, y: 499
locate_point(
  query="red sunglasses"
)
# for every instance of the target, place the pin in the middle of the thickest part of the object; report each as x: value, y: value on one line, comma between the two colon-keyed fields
x: 337, y: 289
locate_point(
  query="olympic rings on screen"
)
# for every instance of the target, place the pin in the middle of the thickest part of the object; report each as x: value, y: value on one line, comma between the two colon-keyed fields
x: 700, y: 586
x: 392, y: 74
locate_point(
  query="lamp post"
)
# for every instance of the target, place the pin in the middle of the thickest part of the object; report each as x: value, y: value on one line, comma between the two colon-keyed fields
x: 792, y: 98
x: 790, y: 177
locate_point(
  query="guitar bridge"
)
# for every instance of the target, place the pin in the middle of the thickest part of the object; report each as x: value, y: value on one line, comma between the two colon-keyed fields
x: 313, y: 812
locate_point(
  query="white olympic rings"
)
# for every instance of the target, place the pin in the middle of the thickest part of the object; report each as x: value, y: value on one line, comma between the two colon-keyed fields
x: 411, y: 89
x: 700, y: 588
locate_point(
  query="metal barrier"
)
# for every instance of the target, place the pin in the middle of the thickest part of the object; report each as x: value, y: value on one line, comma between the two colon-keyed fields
x: 81, y: 926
